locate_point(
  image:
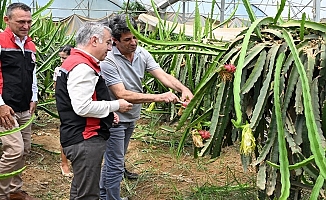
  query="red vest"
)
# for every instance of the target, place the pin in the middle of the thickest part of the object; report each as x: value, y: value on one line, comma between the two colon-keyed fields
x: 16, y: 71
x: 74, y: 128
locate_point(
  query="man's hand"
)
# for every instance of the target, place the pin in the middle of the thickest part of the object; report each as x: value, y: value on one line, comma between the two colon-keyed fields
x: 125, y: 106
x: 187, y: 95
x: 32, y: 106
x: 116, y: 118
x: 6, y: 117
x: 168, y: 97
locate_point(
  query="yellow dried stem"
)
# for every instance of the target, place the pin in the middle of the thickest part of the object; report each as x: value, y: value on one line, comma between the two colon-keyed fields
x: 247, y: 145
x: 197, y: 139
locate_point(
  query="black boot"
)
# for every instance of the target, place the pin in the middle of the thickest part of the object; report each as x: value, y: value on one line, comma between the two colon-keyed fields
x: 130, y: 175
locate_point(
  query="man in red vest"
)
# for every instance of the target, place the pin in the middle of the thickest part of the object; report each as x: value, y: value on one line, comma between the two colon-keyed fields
x: 85, y: 109
x: 18, y: 96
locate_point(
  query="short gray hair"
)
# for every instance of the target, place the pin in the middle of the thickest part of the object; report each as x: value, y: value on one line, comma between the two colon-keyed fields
x: 88, y: 30
x: 14, y: 6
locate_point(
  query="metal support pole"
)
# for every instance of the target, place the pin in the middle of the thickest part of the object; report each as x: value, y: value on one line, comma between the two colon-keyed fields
x: 33, y: 6
x: 222, y: 11
x: 88, y: 9
x: 316, y: 10
x: 184, y: 11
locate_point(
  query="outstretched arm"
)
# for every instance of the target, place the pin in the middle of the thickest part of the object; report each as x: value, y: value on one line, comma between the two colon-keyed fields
x: 173, y: 83
x: 120, y: 92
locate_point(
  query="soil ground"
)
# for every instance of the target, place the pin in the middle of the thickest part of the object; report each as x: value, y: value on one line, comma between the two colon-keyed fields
x: 162, y: 174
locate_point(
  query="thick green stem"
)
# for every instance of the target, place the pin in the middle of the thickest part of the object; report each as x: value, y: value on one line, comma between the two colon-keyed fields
x: 313, y: 134
x: 283, y: 158
x: 238, y: 74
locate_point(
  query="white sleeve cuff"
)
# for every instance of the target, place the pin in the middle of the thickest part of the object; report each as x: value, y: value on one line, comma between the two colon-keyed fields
x: 1, y: 101
x: 114, y: 105
x: 34, y: 97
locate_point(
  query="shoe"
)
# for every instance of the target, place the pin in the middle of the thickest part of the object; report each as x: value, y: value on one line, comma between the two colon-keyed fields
x: 124, y: 198
x: 20, y: 195
x: 130, y: 175
x: 69, y: 174
x: 4, y: 197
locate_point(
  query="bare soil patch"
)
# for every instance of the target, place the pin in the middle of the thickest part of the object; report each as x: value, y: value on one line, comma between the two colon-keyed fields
x: 162, y: 174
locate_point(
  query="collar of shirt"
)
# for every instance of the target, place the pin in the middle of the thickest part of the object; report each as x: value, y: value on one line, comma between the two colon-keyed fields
x: 116, y: 51
x: 19, y: 42
x: 95, y: 59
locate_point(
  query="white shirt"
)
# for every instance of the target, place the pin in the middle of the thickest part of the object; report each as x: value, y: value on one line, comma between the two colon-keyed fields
x: 81, y: 86
x: 55, y: 74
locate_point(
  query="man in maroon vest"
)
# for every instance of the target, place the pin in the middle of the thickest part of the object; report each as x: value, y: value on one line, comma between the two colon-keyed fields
x: 85, y: 109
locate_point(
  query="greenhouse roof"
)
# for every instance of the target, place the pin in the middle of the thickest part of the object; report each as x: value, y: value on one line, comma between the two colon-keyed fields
x: 174, y: 6
x: 164, y: 3
x: 293, y: 8
x: 88, y: 8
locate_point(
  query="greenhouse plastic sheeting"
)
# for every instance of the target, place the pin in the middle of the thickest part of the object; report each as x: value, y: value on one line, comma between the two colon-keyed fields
x: 162, y: 4
x: 224, y: 34
x: 74, y: 21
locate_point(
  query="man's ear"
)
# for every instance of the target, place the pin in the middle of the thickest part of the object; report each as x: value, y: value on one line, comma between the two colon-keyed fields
x: 6, y: 19
x: 94, y: 40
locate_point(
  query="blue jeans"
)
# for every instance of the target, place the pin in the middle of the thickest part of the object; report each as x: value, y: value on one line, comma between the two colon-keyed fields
x: 113, y: 166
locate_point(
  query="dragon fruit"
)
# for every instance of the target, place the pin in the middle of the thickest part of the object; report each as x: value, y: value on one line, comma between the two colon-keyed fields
x: 230, y: 68
x: 204, y: 134
x: 226, y: 72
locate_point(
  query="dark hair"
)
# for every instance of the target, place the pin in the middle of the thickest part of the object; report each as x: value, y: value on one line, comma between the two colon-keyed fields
x: 14, y: 6
x: 66, y: 49
x: 118, y: 25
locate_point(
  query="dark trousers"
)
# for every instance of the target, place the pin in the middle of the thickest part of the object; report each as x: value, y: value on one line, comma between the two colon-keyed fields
x: 86, y: 159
